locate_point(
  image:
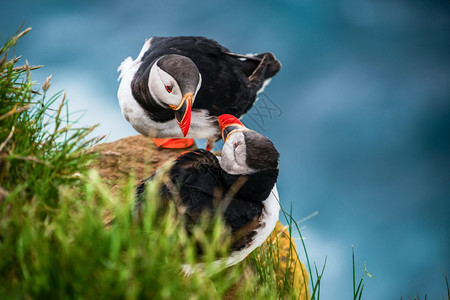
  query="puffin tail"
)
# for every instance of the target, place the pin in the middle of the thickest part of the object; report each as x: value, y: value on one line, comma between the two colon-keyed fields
x: 273, y: 64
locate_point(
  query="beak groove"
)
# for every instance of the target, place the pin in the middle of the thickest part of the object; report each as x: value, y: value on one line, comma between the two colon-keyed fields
x: 228, y: 124
x: 183, y: 113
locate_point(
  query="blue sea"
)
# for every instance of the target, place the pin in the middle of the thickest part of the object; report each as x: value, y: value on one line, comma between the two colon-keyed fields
x: 360, y: 114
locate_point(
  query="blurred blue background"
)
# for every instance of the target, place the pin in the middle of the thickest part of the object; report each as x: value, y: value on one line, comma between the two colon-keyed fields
x: 363, y: 132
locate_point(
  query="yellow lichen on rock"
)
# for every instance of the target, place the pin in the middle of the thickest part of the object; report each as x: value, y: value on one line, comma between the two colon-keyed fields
x: 290, y: 268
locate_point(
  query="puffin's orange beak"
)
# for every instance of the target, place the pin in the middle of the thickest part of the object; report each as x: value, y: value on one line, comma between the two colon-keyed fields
x: 229, y: 123
x: 183, y: 113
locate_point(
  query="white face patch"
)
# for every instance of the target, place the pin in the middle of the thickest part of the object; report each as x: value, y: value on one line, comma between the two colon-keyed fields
x: 163, y: 87
x: 234, y: 155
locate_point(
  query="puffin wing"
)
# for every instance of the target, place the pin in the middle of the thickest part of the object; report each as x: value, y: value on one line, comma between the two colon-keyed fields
x: 190, y: 46
x: 196, y: 178
x: 204, y: 187
x: 198, y: 185
x: 189, y: 182
x: 231, y: 82
x: 244, y: 57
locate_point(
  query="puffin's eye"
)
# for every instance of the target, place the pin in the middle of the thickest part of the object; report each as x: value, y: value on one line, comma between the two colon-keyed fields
x: 169, y: 88
x: 235, y: 145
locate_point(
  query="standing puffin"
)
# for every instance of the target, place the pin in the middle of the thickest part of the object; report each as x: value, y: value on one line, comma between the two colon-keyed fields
x: 185, y: 83
x: 247, y: 170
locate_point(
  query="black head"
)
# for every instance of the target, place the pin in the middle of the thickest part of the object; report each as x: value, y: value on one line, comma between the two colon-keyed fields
x: 173, y: 82
x: 261, y: 153
x: 183, y: 70
x: 245, y: 151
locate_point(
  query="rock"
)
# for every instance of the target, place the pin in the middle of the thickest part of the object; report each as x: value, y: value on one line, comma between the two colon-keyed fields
x: 139, y: 157
x: 131, y: 156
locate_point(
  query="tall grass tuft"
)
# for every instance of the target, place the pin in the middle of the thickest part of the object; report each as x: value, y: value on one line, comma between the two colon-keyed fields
x: 276, y: 263
x: 40, y: 150
x: 358, y: 290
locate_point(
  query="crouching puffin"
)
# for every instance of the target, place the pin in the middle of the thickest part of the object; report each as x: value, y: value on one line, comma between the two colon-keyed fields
x: 245, y: 178
x: 178, y: 86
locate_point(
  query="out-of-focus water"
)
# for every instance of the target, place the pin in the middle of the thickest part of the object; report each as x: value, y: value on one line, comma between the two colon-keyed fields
x: 361, y: 115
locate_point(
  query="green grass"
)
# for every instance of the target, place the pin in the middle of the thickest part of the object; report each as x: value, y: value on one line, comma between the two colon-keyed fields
x: 54, y: 243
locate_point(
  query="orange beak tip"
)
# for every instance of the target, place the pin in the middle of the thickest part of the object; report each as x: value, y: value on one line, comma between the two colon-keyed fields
x: 185, y: 123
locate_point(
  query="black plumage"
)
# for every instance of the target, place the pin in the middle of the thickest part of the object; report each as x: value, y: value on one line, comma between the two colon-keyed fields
x: 264, y: 154
x: 230, y: 82
x: 200, y: 185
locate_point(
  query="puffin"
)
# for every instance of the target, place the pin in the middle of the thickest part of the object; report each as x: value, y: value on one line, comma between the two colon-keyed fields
x: 240, y: 186
x: 178, y: 86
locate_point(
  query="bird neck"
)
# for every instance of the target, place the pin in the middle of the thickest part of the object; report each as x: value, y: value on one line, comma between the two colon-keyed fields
x: 253, y: 187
